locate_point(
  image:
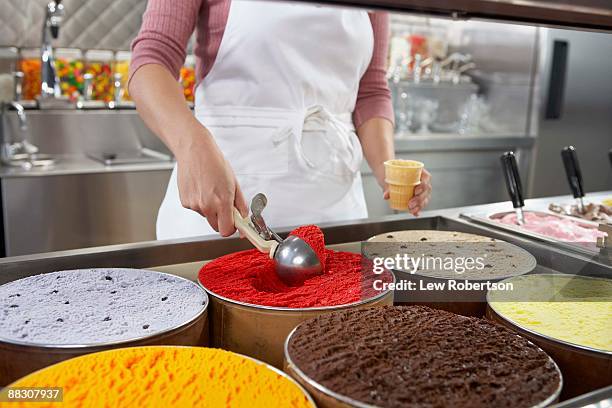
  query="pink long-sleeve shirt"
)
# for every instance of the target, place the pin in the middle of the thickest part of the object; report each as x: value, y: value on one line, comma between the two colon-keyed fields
x: 167, y: 26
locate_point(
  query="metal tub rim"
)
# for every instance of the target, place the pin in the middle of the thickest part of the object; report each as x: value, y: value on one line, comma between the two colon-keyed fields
x: 77, y: 347
x: 358, y: 404
x: 573, y: 346
x: 290, y: 310
x: 488, y: 220
x: 532, y: 258
x: 268, y: 366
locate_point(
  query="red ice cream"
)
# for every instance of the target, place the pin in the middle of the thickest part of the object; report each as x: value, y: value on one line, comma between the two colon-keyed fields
x: 250, y: 277
x: 313, y: 237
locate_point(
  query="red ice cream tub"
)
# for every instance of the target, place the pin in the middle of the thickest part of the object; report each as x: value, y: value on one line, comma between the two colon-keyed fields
x: 252, y: 311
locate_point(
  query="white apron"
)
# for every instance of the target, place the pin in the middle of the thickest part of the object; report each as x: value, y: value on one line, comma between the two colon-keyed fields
x: 279, y: 101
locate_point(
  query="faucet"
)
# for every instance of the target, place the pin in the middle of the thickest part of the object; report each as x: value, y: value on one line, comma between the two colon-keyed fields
x: 53, y: 19
x: 17, y: 95
x: 12, y: 150
x: 21, y: 115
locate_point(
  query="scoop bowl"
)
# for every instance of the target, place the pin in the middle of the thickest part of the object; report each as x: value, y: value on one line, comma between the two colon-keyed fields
x: 296, y: 261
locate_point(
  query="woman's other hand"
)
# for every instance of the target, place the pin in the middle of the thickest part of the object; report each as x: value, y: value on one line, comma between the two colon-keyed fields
x: 422, y: 194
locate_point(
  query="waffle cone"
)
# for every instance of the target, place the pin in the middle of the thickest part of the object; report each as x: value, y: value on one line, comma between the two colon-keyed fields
x: 400, y: 195
x: 403, y: 172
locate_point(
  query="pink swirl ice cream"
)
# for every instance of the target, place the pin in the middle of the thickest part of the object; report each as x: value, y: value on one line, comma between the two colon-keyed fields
x: 555, y: 227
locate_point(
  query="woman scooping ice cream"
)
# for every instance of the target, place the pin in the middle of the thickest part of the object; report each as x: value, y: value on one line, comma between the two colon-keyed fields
x: 290, y: 97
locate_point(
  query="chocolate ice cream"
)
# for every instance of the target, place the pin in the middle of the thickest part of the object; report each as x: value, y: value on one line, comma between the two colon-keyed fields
x: 417, y: 356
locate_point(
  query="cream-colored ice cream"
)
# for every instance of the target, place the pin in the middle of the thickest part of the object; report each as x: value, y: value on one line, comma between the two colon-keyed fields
x: 569, y: 308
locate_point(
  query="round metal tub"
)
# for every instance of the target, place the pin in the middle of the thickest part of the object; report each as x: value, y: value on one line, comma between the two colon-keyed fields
x: 20, y: 357
x: 164, y: 366
x: 326, y: 398
x: 260, y: 331
x: 584, y: 368
x: 466, y: 302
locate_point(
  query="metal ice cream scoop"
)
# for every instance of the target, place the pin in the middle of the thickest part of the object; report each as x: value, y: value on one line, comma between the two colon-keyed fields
x: 295, y: 260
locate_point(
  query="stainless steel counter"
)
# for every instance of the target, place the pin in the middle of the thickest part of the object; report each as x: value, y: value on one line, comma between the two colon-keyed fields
x: 80, y: 202
x: 178, y: 256
x: 171, y: 252
x: 456, y: 142
x: 80, y: 164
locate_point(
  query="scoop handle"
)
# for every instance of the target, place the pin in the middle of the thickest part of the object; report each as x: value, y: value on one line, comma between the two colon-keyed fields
x: 513, y: 179
x: 244, y: 226
x: 572, y: 170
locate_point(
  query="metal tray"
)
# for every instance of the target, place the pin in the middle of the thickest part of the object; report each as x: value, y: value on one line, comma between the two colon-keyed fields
x: 488, y: 220
x: 194, y: 249
x: 597, y: 399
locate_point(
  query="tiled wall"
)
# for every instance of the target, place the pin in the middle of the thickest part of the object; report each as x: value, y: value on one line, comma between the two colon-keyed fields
x: 88, y: 24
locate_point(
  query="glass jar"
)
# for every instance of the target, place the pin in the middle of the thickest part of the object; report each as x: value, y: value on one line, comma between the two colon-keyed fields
x: 100, y: 65
x: 122, y: 68
x: 29, y: 64
x: 188, y: 79
x: 70, y: 70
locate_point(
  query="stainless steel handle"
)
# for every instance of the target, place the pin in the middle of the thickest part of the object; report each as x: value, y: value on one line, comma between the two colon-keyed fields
x: 557, y: 79
x: 18, y: 90
x: 258, y: 203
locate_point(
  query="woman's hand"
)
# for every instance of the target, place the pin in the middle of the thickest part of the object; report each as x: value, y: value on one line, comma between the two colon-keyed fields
x: 422, y: 194
x: 206, y: 181
x: 207, y: 184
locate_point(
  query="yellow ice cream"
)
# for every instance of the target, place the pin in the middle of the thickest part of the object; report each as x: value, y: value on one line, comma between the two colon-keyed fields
x: 164, y: 377
x: 570, y: 308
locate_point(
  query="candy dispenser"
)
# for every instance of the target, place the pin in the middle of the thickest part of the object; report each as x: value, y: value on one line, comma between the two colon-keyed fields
x: 99, y: 65
x: 188, y: 78
x: 29, y: 64
x: 70, y: 70
x: 122, y: 69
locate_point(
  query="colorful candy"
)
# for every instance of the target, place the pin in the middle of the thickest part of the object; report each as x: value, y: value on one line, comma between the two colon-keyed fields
x: 31, y: 78
x: 102, y: 85
x: 123, y: 68
x: 70, y: 74
x: 71, y: 71
x: 188, y: 81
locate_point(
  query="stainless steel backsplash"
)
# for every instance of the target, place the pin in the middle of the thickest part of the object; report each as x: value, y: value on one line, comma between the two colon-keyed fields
x: 81, y: 132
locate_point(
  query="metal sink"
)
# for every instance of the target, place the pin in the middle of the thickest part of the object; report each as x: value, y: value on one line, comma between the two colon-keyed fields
x: 141, y: 156
x: 27, y: 161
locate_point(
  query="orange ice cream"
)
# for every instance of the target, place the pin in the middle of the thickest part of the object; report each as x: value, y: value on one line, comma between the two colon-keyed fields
x: 164, y: 376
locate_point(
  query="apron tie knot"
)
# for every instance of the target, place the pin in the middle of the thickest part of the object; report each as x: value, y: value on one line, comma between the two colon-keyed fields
x: 338, y: 137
